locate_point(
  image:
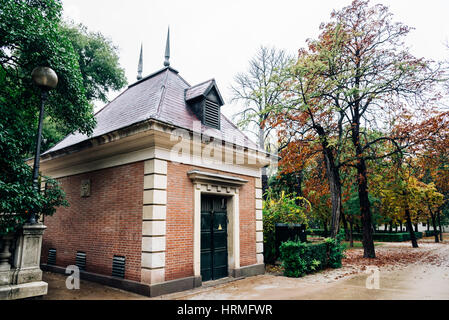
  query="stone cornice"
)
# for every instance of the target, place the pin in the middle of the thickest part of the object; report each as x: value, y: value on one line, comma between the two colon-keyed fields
x: 198, y: 176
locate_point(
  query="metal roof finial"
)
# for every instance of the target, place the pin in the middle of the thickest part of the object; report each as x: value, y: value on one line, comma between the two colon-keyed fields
x: 140, y: 66
x: 167, y: 49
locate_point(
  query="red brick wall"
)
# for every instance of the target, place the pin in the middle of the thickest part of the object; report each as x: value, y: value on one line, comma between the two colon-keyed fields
x: 107, y: 223
x: 179, y: 245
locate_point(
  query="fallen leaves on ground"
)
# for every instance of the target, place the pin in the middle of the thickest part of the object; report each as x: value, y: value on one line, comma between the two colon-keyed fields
x: 392, y: 257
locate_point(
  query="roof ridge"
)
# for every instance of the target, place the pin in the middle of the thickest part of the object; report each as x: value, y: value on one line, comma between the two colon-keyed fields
x: 183, y: 80
x: 151, y: 75
x: 163, y: 90
x: 199, y: 84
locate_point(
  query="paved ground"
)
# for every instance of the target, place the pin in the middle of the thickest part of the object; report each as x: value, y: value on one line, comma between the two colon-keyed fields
x: 404, y: 273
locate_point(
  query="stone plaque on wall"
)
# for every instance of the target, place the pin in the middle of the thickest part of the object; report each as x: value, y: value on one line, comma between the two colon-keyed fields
x: 85, y: 188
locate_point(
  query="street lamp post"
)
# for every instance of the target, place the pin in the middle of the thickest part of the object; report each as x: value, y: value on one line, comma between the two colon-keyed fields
x: 46, y: 79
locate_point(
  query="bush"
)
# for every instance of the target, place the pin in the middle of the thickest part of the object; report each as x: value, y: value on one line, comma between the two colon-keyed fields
x: 431, y: 233
x: 299, y: 258
x: 335, y: 251
x: 283, y: 208
x: 292, y: 258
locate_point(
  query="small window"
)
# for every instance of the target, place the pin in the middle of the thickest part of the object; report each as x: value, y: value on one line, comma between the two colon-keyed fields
x: 211, y: 114
x: 51, y: 260
x: 80, y: 260
x: 118, y: 266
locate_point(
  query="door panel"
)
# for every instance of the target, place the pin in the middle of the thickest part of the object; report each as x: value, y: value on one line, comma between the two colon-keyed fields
x: 214, y: 243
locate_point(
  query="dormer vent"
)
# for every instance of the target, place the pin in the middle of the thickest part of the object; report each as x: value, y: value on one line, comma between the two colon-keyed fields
x: 205, y: 101
x: 211, y: 114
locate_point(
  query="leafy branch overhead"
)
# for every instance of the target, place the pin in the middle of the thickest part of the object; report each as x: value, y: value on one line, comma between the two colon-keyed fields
x: 32, y: 34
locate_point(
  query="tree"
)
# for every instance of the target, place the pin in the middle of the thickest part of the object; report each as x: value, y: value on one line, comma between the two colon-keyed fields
x: 432, y: 164
x: 305, y: 128
x: 260, y: 90
x: 367, y: 80
x: 98, y: 60
x: 99, y: 66
x: 32, y: 34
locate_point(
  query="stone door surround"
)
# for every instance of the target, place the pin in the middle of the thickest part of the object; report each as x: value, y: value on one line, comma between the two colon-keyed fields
x: 224, y: 185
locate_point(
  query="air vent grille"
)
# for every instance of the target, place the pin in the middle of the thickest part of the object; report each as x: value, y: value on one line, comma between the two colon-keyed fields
x: 80, y: 260
x: 212, y: 114
x: 118, y: 266
x: 51, y: 257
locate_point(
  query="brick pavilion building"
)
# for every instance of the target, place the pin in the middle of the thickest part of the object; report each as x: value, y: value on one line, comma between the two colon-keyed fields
x: 164, y: 195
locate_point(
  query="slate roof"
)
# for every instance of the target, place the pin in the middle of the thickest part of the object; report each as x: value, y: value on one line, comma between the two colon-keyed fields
x: 198, y: 90
x: 159, y: 96
x: 203, y: 89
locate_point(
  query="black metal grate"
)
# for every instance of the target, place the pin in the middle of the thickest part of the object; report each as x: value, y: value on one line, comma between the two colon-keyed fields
x: 51, y: 257
x: 80, y: 260
x: 118, y: 266
x: 212, y: 114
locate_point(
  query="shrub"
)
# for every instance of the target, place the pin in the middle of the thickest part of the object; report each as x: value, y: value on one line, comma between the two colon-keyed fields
x: 283, y: 208
x: 292, y: 256
x: 335, y: 251
x: 299, y: 258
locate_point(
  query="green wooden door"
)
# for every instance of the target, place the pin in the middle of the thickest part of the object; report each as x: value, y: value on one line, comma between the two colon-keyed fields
x: 214, y: 238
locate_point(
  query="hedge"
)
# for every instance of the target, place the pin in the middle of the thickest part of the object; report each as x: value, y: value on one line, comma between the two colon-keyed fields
x: 378, y: 236
x: 389, y: 237
x: 299, y: 258
x: 431, y: 233
x: 317, y: 232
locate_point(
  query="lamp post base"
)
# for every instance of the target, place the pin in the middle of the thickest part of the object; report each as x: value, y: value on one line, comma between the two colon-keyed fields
x: 24, y: 290
x: 24, y: 278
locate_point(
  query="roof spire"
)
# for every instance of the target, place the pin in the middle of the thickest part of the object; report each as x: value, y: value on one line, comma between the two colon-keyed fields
x: 167, y: 49
x: 140, y: 66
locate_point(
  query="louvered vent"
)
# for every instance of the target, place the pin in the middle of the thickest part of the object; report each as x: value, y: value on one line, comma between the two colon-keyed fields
x: 212, y: 114
x: 80, y: 260
x: 51, y: 257
x: 118, y: 266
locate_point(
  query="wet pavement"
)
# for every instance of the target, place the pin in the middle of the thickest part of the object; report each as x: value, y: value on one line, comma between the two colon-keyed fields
x: 425, y: 278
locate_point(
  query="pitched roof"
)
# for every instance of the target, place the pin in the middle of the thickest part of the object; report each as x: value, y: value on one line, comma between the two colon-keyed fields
x: 159, y: 96
x: 202, y: 89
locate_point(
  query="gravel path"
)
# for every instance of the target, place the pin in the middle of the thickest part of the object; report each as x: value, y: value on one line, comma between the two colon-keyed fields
x: 405, y: 273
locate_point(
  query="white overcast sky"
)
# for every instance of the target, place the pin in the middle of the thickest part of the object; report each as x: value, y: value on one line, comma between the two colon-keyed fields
x: 216, y: 39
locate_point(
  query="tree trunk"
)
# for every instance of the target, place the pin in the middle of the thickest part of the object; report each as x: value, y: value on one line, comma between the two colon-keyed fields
x: 264, y: 177
x: 391, y: 226
x: 385, y: 227
x: 410, y: 228
x: 428, y: 225
x: 325, y: 228
x: 368, y: 243
x: 439, y: 224
x: 434, y: 226
x: 416, y: 227
x: 351, y: 239
x: 345, y: 226
x: 400, y: 225
x: 333, y: 176
x: 335, y: 189
x: 299, y: 178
